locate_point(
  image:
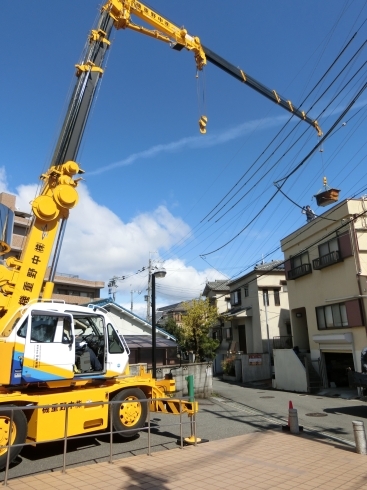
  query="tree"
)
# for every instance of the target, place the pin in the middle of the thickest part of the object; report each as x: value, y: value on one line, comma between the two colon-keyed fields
x: 199, y: 317
x: 171, y: 327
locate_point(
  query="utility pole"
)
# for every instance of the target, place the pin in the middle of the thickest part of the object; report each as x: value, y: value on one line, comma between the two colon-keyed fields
x: 149, y: 295
x: 132, y: 298
x: 266, y: 299
x: 112, y: 286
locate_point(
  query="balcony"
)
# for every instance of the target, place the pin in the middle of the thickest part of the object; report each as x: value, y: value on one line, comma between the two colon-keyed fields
x: 326, y: 260
x: 301, y: 270
x: 283, y: 342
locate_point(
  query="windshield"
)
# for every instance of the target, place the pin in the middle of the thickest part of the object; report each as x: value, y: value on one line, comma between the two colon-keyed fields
x: 86, y: 324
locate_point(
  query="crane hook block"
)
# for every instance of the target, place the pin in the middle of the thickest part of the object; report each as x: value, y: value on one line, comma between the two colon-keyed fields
x: 202, y: 124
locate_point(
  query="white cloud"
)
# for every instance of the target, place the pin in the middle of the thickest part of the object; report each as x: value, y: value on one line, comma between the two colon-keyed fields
x: 25, y: 195
x: 193, y: 142
x: 99, y: 245
x: 3, y: 180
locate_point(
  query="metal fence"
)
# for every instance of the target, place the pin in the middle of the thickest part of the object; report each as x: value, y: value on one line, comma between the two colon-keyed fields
x: 110, y: 432
x: 283, y: 342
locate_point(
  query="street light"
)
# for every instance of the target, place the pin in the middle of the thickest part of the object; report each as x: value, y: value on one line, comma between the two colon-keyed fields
x: 155, y: 273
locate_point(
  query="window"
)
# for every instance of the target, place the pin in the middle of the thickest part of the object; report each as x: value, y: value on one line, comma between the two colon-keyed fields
x: 43, y: 328
x: 228, y: 332
x: 277, y: 297
x: 284, y: 286
x: 298, y: 266
x: 339, y: 315
x: 332, y: 316
x: 245, y: 288
x: 329, y: 254
x: 22, y: 332
x: 236, y: 297
x: 266, y: 297
x: 114, y: 344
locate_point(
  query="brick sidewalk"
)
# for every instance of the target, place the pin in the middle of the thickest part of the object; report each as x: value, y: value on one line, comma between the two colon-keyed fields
x: 261, y: 460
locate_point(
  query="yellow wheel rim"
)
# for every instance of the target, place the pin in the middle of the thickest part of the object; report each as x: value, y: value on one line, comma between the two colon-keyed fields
x: 130, y: 411
x: 4, y: 433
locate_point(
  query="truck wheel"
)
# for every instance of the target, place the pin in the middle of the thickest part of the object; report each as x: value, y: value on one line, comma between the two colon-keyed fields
x: 129, y: 416
x: 18, y: 434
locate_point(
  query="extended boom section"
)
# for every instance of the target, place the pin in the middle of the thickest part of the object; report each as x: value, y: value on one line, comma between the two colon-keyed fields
x: 240, y: 75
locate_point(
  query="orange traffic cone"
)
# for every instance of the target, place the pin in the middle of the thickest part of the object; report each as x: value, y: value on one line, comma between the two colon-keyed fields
x: 290, y: 406
x: 287, y: 427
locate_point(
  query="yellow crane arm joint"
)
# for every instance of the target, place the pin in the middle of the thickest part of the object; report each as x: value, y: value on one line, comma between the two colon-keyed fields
x: 89, y: 66
x: 98, y: 36
x: 277, y: 98
x: 318, y: 129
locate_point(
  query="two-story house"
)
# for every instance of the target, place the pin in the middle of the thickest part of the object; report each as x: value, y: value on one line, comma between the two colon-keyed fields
x: 258, y: 314
x: 326, y: 267
x: 219, y: 295
x: 259, y: 308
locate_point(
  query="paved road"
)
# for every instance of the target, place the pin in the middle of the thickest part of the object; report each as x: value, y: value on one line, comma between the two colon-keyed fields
x: 332, y: 416
x: 233, y: 410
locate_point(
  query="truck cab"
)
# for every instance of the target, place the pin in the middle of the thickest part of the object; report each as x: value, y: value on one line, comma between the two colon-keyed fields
x: 58, y: 342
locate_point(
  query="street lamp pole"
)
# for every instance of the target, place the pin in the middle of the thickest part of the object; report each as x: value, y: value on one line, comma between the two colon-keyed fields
x: 158, y: 273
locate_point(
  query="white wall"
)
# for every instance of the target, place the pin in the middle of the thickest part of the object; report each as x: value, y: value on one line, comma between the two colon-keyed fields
x: 290, y: 373
x: 254, y: 372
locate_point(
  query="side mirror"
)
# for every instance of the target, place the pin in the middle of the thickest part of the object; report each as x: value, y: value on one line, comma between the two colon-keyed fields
x: 68, y: 341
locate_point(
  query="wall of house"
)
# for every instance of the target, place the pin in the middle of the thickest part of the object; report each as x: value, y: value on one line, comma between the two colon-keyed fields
x: 128, y: 326
x: 254, y: 372
x: 336, y: 283
x: 300, y: 329
x: 254, y: 319
x: 290, y: 373
x: 362, y: 243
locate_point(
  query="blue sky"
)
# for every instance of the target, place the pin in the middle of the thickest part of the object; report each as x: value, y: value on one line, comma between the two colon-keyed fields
x: 151, y: 177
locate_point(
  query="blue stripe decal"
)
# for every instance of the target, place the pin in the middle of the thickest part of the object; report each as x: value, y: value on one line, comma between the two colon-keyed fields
x: 31, y: 375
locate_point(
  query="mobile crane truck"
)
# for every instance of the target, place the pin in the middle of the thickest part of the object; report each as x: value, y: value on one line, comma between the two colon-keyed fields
x: 53, y: 353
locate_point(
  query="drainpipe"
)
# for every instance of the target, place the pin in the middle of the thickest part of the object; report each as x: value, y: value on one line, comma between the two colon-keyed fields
x: 355, y: 248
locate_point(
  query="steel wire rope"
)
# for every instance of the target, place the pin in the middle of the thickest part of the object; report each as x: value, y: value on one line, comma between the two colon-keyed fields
x: 329, y: 131
x: 349, y: 161
x: 331, y: 136
x: 283, y: 180
x: 320, y: 113
x: 304, y: 249
x: 256, y: 183
x: 251, y: 227
x: 336, y: 151
x: 307, y: 96
x: 326, y: 72
x: 284, y: 218
x: 56, y: 135
x: 313, y: 223
x: 342, y: 51
x: 279, y: 146
x: 232, y: 219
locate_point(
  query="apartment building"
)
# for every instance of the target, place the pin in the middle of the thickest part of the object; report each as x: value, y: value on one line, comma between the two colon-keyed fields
x: 68, y: 287
x: 326, y: 267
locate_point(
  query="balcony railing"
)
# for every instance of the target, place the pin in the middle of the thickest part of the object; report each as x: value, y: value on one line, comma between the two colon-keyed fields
x: 283, y: 342
x: 299, y: 271
x: 326, y: 260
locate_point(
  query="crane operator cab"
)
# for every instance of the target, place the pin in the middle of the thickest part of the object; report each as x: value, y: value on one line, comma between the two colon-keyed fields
x: 59, y: 342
